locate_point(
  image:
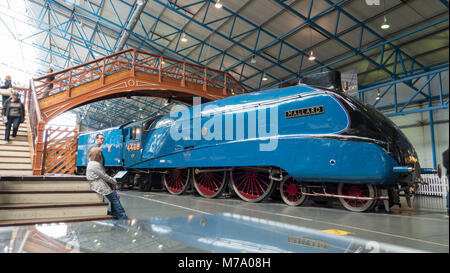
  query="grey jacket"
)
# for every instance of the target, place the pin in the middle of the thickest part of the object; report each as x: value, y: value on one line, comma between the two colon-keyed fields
x: 6, y: 108
x: 98, y: 178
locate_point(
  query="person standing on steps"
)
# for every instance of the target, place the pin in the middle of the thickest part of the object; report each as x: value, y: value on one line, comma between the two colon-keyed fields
x: 14, y: 111
x: 49, y: 81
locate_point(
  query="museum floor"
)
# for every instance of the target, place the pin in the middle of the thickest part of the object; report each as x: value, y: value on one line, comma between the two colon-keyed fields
x: 161, y: 223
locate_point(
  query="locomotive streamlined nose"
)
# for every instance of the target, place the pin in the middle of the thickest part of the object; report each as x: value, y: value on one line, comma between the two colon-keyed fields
x: 368, y: 123
x: 404, y: 152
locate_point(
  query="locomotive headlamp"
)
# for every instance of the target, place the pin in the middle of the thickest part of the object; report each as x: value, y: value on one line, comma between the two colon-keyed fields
x: 412, y: 159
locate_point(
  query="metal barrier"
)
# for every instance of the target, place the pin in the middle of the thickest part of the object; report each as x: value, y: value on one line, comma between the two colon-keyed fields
x: 433, y: 185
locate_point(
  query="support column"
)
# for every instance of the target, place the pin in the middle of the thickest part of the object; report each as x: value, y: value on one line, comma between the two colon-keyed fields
x: 433, y: 143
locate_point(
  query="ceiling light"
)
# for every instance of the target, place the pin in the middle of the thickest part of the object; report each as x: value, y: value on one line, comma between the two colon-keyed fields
x: 218, y: 5
x: 183, y: 38
x: 311, y: 56
x: 253, y: 61
x: 378, y: 96
x: 264, y: 77
x: 385, y: 24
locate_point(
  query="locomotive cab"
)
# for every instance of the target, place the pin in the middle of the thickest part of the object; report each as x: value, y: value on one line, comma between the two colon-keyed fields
x: 133, y: 143
x: 135, y: 137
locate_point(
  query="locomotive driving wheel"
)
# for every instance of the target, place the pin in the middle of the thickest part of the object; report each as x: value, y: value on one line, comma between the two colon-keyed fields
x: 252, y: 184
x: 176, y: 181
x: 356, y: 205
x: 209, y: 184
x: 292, y: 192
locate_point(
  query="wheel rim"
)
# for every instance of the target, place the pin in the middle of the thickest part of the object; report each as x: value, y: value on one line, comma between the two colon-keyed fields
x: 291, y: 192
x: 209, y: 184
x: 176, y: 180
x: 356, y: 205
x: 250, y: 185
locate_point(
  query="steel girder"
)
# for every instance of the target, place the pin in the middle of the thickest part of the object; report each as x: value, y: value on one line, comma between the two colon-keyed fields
x: 400, y: 55
x: 98, y: 43
x: 390, y: 88
x: 118, y: 26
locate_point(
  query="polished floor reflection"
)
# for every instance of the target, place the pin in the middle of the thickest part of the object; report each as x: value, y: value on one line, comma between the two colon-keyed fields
x: 163, y: 223
x: 222, y: 233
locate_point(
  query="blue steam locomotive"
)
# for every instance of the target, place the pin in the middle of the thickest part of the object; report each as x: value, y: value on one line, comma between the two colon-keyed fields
x: 293, y: 143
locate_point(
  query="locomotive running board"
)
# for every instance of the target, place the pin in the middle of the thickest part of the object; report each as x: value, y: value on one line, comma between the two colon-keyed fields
x: 197, y: 170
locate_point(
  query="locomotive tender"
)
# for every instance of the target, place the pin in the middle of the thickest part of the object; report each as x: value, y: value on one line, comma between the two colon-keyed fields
x: 302, y: 141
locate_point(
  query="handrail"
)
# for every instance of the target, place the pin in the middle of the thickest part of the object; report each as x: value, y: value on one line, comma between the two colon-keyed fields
x: 34, y: 100
x: 135, y: 61
x: 36, y: 124
x: 81, y: 65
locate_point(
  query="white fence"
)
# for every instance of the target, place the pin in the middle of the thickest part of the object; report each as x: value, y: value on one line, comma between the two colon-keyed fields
x: 434, y: 186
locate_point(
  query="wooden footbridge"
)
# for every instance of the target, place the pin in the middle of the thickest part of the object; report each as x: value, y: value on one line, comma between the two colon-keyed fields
x: 127, y: 73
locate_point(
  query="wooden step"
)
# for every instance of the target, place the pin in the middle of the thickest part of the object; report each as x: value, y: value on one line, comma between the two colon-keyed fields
x: 23, y: 138
x: 20, y: 160
x: 13, y: 212
x: 8, y: 147
x: 15, y: 142
x: 57, y: 185
x: 22, y: 128
x: 15, y: 172
x: 45, y: 196
x: 48, y: 177
x: 9, y: 154
x: 20, y: 135
x: 15, y: 166
x: 54, y: 220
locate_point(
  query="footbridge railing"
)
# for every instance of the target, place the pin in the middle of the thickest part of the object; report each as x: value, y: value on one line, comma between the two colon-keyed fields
x: 132, y: 70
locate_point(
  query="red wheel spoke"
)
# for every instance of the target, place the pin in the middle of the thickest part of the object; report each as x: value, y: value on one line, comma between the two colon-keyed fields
x: 209, y: 184
x: 176, y: 180
x: 251, y: 185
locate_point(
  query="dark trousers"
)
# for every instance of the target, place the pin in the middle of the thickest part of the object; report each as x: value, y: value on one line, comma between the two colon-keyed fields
x: 117, y: 211
x: 15, y: 122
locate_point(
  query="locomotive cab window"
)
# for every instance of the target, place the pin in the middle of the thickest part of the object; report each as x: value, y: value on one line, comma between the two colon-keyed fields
x: 149, y: 123
x: 135, y: 133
